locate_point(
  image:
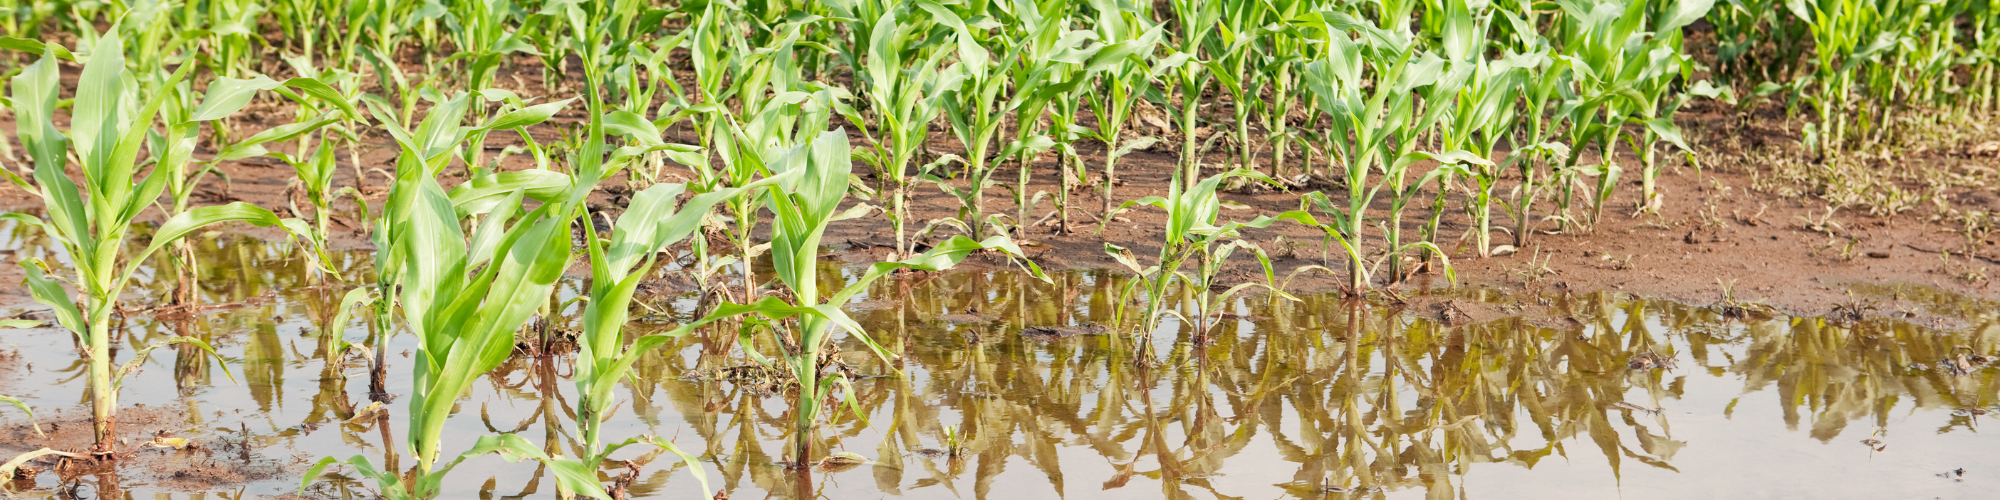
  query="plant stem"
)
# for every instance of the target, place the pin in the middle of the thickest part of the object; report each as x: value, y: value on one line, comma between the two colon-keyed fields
x: 103, y: 395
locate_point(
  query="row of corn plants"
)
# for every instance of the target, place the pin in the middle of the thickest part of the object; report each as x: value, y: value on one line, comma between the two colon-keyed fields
x: 1385, y: 117
x: 1860, y: 72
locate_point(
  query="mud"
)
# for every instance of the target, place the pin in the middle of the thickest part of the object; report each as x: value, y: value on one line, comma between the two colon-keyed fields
x: 1717, y: 226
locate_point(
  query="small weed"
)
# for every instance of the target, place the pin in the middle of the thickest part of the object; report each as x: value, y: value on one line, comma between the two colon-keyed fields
x: 1534, y: 271
x: 1823, y: 224
x: 1732, y: 308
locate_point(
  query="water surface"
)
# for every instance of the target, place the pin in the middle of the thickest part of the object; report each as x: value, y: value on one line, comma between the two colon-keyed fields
x: 1608, y: 396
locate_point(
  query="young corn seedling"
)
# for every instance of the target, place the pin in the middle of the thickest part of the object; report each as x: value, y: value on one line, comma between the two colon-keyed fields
x: 649, y: 224
x: 465, y: 295
x: 1844, y: 36
x: 1197, y: 19
x: 1046, y: 73
x: 804, y: 205
x: 1235, y: 57
x: 1103, y: 76
x: 319, y: 104
x: 975, y: 112
x: 618, y: 264
x: 646, y: 76
x: 231, y: 28
x: 1121, y: 80
x: 1485, y: 113
x: 1623, y: 76
x: 423, y: 154
x: 905, y: 99
x: 92, y: 216
x: 1289, y: 49
x: 1481, y: 113
x: 1194, y: 233
x: 1374, y: 123
x: 1533, y: 154
x: 772, y: 104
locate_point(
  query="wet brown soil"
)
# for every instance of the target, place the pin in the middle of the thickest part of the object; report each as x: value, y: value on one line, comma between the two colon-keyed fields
x: 146, y: 454
x: 1713, y: 231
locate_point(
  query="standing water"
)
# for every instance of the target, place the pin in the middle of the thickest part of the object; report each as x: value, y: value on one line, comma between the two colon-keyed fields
x: 1005, y: 387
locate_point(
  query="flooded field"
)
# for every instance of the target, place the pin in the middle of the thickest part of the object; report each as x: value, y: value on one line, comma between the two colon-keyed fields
x: 1008, y: 390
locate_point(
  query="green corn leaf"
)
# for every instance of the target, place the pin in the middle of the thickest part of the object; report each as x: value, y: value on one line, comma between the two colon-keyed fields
x: 36, y: 47
x: 97, y: 118
x: 181, y: 224
x: 51, y: 293
x: 526, y: 116
x: 693, y: 463
x: 38, y: 426
x: 228, y: 95
x: 348, y: 301
x: 480, y: 195
x: 573, y: 475
x: 34, y: 104
x: 1665, y: 128
x: 631, y: 125
x: 140, y: 356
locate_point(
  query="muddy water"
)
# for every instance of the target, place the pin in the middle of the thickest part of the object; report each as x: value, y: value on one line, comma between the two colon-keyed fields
x: 1597, y: 396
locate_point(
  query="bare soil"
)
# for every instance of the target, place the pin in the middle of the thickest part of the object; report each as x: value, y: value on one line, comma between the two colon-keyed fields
x: 1713, y: 230
x: 197, y: 467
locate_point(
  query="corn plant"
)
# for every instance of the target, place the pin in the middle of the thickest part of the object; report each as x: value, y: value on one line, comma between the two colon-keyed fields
x: 1845, y: 35
x: 1368, y: 89
x: 974, y: 112
x: 1194, y: 233
x: 1084, y: 86
x: 618, y: 264
x: 774, y: 113
x: 1121, y: 79
x: 1289, y: 47
x: 646, y: 77
x: 1045, y: 73
x: 465, y: 295
x: 230, y: 27
x: 1236, y: 58
x: 423, y: 154
x: 320, y: 105
x: 93, y: 222
x: 1534, y: 154
x: 804, y: 205
x: 1623, y: 75
x: 905, y: 90
x: 1742, y: 27
x: 1484, y: 114
x: 1196, y: 20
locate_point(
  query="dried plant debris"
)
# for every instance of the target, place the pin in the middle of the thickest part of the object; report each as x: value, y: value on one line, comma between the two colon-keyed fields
x: 1651, y: 361
x: 1061, y: 332
x: 1636, y: 408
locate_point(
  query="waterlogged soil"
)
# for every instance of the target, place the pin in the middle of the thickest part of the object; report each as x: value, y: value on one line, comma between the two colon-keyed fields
x: 1712, y: 235
x: 1007, y: 390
